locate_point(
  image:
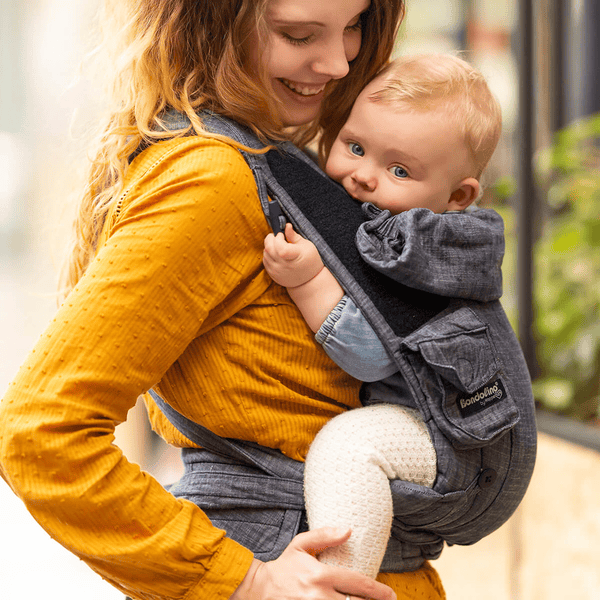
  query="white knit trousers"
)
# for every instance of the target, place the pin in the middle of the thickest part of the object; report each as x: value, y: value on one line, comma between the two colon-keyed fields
x: 346, y: 478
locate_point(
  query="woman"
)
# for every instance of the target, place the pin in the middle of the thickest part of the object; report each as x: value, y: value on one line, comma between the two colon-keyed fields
x: 169, y: 292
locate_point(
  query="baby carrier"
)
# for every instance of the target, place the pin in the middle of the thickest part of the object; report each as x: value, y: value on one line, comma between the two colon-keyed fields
x: 462, y: 366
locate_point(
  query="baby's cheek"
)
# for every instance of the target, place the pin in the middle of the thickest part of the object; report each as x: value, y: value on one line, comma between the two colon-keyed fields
x: 334, y: 169
x: 328, y: 168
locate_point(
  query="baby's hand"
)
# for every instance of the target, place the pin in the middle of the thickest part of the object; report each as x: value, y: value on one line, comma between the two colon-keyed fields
x: 290, y: 259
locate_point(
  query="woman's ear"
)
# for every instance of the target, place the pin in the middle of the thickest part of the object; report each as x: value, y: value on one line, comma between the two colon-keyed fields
x: 464, y: 195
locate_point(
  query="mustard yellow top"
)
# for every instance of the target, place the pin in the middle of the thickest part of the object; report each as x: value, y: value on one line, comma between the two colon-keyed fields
x: 176, y: 298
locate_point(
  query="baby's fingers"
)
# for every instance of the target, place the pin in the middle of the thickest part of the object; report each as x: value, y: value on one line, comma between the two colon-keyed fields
x: 273, y: 245
x: 291, y: 235
x: 269, y: 242
x: 284, y: 250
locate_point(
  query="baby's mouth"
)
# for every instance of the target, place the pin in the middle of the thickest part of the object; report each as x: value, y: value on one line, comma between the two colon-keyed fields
x: 301, y: 89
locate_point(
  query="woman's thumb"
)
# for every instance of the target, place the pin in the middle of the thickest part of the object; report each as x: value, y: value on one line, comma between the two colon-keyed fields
x: 317, y: 540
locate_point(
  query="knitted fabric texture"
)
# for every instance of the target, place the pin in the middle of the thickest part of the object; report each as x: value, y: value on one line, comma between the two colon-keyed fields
x: 346, y: 478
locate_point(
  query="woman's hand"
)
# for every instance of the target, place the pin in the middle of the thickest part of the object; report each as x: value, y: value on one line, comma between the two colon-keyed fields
x: 290, y: 259
x: 298, y: 575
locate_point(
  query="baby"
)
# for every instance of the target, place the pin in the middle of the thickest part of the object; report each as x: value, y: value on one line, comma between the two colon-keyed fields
x: 419, y: 137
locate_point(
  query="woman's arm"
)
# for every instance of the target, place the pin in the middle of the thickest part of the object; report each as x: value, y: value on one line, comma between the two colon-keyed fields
x: 165, y: 265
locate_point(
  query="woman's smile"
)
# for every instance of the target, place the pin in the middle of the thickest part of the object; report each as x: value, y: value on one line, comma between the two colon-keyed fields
x: 308, y: 45
x: 303, y: 89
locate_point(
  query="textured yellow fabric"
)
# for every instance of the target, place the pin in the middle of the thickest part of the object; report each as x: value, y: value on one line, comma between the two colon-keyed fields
x: 249, y: 367
x: 424, y: 584
x: 176, y: 298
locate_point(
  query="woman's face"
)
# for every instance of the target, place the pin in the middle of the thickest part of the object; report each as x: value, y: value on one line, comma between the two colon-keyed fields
x: 309, y: 44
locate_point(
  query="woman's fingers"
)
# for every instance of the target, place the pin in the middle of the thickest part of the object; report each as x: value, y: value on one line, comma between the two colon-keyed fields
x: 359, y: 586
x: 317, y: 540
x: 346, y: 582
x: 297, y: 575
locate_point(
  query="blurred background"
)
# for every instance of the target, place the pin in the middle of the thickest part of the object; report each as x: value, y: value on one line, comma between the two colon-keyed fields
x: 541, y: 60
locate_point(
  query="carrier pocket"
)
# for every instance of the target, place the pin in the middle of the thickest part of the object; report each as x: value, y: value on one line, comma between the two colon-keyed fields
x: 460, y: 381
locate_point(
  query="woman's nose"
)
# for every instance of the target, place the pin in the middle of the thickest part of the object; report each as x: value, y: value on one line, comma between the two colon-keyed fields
x: 332, y: 60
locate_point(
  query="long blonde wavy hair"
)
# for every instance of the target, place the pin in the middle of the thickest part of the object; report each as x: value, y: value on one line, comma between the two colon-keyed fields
x: 189, y: 55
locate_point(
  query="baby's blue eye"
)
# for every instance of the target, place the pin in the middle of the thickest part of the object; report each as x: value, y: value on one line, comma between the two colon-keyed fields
x: 399, y: 172
x: 356, y: 149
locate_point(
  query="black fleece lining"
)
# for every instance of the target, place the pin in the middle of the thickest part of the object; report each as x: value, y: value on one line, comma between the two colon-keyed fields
x: 325, y: 204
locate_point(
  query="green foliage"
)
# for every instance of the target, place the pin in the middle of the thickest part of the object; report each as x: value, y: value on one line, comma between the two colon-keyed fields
x: 503, y: 188
x: 567, y: 273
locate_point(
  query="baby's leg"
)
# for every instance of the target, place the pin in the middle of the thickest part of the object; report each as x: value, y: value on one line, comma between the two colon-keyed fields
x: 346, y: 478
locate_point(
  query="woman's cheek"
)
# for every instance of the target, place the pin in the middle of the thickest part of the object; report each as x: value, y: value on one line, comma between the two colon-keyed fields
x: 352, y: 46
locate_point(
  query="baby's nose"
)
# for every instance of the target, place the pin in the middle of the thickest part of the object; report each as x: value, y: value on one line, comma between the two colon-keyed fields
x: 365, y: 177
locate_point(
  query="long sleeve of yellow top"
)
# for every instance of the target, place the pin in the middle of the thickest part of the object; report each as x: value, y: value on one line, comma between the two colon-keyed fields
x: 176, y: 298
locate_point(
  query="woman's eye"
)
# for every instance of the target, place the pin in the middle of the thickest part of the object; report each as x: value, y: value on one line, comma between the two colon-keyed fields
x: 297, y: 41
x: 356, y: 149
x: 399, y: 172
x: 356, y: 27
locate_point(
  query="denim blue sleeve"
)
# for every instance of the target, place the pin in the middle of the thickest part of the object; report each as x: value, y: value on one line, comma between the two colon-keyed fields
x: 351, y: 343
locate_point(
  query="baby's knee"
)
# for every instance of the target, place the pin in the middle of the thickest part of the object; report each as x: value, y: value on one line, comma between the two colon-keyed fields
x: 387, y: 438
x: 349, y: 437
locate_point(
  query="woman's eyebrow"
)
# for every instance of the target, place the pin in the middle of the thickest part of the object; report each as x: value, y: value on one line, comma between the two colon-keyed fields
x: 299, y: 21
x: 296, y: 22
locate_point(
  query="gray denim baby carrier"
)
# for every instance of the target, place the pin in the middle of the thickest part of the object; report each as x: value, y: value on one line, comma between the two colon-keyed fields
x: 459, y: 360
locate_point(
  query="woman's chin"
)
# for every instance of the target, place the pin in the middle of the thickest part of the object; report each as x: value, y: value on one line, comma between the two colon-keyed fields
x: 295, y: 108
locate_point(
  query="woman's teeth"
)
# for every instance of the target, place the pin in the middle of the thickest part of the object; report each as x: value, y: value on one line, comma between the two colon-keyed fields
x: 303, y: 90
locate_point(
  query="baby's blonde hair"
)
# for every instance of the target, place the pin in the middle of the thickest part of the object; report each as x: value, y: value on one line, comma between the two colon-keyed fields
x: 443, y: 81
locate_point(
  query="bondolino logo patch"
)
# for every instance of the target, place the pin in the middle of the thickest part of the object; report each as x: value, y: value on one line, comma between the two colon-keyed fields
x: 483, y: 398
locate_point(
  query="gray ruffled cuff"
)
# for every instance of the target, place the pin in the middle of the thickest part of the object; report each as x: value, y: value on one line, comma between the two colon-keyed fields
x: 332, y: 318
x: 456, y: 254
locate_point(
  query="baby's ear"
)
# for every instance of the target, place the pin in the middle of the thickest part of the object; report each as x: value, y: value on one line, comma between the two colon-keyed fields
x: 464, y: 195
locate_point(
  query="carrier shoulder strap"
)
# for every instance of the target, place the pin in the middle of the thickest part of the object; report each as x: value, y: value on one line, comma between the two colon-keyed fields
x: 220, y: 125
x: 270, y: 461
x: 292, y: 187
x: 289, y: 181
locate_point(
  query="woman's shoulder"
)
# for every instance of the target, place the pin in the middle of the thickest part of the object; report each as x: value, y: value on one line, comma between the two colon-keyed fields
x: 194, y: 167
x: 194, y: 176
x: 184, y: 154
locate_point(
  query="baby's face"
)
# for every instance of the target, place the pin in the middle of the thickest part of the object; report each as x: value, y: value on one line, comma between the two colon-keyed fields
x: 398, y: 158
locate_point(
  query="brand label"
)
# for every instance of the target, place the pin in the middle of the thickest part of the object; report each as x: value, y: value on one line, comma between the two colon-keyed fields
x: 480, y: 399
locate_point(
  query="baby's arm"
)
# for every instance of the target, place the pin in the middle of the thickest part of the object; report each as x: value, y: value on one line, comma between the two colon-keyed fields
x: 340, y: 327
x: 294, y: 262
x: 351, y: 342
